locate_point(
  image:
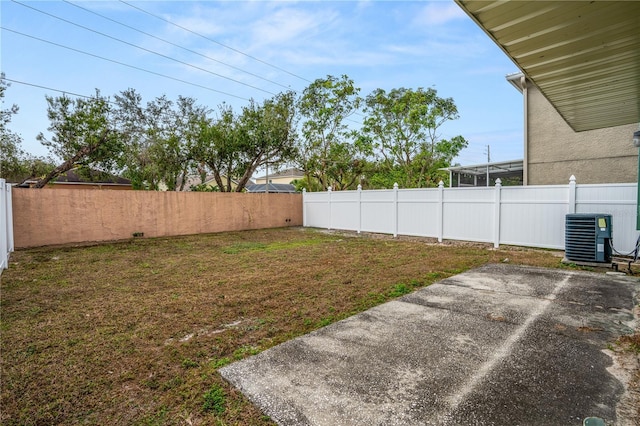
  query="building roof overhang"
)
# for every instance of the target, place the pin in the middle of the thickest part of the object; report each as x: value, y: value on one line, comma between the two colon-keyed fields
x: 584, y: 56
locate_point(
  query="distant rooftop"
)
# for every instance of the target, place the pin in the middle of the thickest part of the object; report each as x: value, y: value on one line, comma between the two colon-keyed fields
x: 292, y: 173
x: 283, y: 188
x: 86, y: 177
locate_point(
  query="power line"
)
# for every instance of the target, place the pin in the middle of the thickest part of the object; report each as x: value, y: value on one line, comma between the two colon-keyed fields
x: 178, y: 46
x: 123, y: 64
x: 48, y: 88
x: 215, y: 41
x: 65, y: 92
x: 143, y: 48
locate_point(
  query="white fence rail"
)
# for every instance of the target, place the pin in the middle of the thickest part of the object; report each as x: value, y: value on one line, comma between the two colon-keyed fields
x: 532, y: 216
x: 6, y: 224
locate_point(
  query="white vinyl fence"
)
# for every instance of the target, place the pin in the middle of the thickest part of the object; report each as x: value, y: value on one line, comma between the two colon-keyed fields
x: 531, y: 216
x: 6, y: 224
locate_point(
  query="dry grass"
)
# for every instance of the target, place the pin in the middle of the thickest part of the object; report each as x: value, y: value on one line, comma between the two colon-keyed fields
x: 132, y: 333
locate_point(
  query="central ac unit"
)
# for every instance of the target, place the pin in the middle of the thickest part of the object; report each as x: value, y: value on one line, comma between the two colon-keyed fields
x: 588, y: 237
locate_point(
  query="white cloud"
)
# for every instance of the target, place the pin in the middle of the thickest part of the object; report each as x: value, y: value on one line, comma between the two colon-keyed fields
x: 290, y: 26
x: 208, y: 19
x: 337, y: 55
x: 439, y: 14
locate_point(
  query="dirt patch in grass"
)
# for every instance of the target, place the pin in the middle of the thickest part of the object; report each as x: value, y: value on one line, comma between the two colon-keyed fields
x: 132, y: 333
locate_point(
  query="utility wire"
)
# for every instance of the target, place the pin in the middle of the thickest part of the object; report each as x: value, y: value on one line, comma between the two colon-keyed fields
x: 162, y: 55
x: 178, y: 46
x: 143, y: 48
x: 49, y: 88
x: 77, y: 94
x: 215, y: 41
x: 123, y: 64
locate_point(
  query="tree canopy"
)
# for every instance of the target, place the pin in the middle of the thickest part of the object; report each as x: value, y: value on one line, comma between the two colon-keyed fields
x: 328, y: 155
x: 10, y: 150
x: 82, y: 134
x: 403, y: 125
x: 16, y: 165
x: 336, y: 137
x: 234, y: 146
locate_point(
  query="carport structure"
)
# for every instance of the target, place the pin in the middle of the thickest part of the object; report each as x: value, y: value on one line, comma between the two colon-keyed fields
x: 484, y: 174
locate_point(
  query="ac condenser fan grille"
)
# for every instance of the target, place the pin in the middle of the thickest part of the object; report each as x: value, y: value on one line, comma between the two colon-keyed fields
x: 585, y: 238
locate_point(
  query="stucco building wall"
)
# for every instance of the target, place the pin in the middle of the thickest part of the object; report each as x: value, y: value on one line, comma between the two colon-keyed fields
x: 60, y: 216
x: 555, y: 151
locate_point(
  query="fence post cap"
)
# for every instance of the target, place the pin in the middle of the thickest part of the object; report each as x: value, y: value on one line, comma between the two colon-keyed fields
x: 572, y: 179
x: 498, y: 182
x: 395, y: 185
x: 329, y: 189
x: 304, y: 189
x: 359, y: 187
x: 441, y: 184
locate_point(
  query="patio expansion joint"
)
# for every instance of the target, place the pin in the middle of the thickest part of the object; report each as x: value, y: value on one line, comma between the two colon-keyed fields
x: 504, y: 350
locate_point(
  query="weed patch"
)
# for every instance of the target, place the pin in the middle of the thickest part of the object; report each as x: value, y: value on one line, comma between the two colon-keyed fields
x: 399, y: 290
x: 219, y: 363
x: 244, y: 246
x: 214, y: 400
x: 630, y: 342
x: 188, y: 363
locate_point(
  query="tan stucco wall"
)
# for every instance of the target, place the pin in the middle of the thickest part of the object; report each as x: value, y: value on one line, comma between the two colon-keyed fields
x: 60, y: 216
x: 555, y: 151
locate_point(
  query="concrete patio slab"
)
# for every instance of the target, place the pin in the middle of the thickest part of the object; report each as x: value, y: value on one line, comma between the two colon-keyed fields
x: 499, y: 345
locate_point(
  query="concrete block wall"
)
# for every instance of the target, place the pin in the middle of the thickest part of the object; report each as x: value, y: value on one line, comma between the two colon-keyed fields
x: 47, y: 217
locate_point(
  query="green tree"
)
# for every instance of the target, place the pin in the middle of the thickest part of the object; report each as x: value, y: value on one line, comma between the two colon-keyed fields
x: 403, y: 125
x: 82, y: 135
x: 326, y: 152
x: 234, y: 146
x: 217, y: 146
x: 158, y: 138
x: 175, y: 132
x: 267, y: 135
x: 131, y: 120
x: 346, y: 166
x: 11, y: 153
x: 16, y: 164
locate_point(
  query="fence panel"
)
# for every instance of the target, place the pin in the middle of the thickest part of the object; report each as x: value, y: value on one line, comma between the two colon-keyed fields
x: 6, y: 224
x: 418, y: 212
x: 316, y: 210
x: 617, y: 200
x: 377, y: 211
x: 9, y: 203
x: 532, y: 216
x: 345, y: 210
x: 468, y: 214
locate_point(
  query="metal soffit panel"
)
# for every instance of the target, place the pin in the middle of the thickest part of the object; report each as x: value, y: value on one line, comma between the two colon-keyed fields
x: 584, y: 56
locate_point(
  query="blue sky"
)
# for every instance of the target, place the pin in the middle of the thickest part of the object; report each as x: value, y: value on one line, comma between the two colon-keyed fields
x: 275, y: 45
